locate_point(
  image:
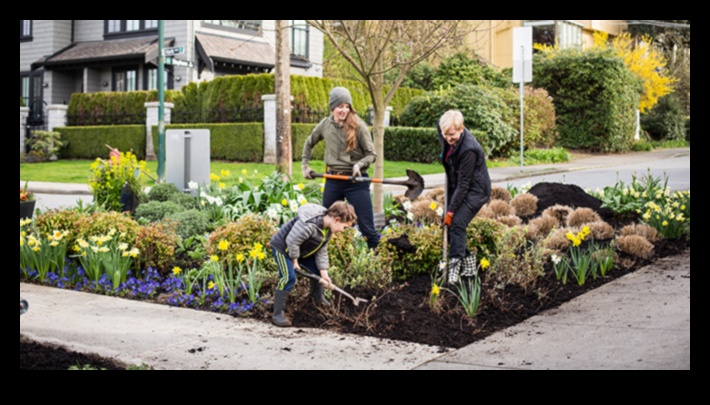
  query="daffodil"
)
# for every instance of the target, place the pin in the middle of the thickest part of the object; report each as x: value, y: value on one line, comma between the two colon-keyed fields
x: 211, y: 285
x: 300, y: 187
x: 214, y: 258
x: 485, y: 264
x: 214, y: 177
x: 223, y: 245
x: 225, y: 173
x: 177, y: 271
x: 435, y: 290
x: 244, y: 172
x: 433, y: 206
x: 240, y: 258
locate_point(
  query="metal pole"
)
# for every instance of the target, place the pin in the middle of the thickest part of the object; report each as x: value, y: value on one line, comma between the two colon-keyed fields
x: 522, y: 80
x: 161, y: 101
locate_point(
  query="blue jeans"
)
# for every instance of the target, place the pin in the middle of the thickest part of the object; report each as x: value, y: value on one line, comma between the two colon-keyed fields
x: 358, y: 195
x: 287, y: 275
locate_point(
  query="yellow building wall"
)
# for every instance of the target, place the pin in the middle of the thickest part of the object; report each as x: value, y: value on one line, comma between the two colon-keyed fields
x: 492, y: 40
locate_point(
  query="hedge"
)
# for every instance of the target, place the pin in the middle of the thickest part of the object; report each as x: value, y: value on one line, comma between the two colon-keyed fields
x: 90, y: 142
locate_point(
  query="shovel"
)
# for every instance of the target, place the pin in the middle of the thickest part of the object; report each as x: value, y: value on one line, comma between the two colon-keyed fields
x: 356, y: 301
x: 414, y: 182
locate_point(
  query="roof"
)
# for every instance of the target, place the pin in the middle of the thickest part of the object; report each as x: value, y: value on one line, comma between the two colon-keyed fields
x: 215, y: 48
x: 142, y: 48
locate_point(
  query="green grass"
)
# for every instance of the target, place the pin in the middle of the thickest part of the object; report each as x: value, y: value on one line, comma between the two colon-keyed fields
x: 78, y: 171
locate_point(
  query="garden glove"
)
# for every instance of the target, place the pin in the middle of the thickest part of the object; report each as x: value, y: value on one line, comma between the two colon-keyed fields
x: 306, y: 171
x: 356, y: 170
x: 448, y: 218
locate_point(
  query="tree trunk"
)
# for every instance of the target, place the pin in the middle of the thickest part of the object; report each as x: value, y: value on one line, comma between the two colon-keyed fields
x: 284, y: 158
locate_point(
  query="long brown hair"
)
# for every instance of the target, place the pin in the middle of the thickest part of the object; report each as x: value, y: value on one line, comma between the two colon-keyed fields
x: 352, y: 123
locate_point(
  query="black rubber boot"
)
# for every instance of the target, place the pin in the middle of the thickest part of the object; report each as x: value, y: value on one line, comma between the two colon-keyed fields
x: 279, y: 318
x: 317, y: 294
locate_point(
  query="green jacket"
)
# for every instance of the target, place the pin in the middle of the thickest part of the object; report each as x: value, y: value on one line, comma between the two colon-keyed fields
x: 336, y: 158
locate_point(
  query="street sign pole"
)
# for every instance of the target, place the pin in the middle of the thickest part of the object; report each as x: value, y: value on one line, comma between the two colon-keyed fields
x: 161, y: 102
x: 522, y: 70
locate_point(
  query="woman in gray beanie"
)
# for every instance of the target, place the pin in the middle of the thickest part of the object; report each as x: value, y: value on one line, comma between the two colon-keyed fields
x: 349, y: 151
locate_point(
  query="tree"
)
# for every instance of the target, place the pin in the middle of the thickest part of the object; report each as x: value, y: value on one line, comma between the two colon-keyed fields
x: 374, y: 48
x: 283, y: 100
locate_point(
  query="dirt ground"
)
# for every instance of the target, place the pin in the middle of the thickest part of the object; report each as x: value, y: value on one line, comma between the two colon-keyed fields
x: 402, y: 312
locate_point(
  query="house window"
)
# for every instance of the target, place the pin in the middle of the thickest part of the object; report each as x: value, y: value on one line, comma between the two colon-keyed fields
x: 25, y: 90
x: 25, y: 29
x: 129, y: 26
x: 565, y: 34
x: 125, y: 80
x: 299, y: 39
x: 151, y: 78
x: 247, y: 26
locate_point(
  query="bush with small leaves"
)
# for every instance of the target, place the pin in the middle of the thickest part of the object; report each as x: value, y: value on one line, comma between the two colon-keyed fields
x: 190, y: 222
x: 424, y: 260
x: 100, y: 223
x: 162, y: 192
x: 559, y: 212
x: 155, y: 211
x: 500, y: 208
x: 518, y: 262
x: 539, y: 228
x: 601, y: 230
x: 647, y: 231
x: 185, y: 200
x: 635, y: 245
x: 59, y: 220
x: 500, y: 193
x: 524, y: 204
x: 582, y: 216
x: 482, y: 235
x: 157, y: 243
x: 241, y: 236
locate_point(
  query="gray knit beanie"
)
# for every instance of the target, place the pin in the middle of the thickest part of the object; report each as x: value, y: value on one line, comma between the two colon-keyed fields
x: 338, y: 96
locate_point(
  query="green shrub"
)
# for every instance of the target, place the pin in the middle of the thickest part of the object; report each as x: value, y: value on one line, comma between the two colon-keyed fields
x: 241, y: 236
x: 157, y: 243
x: 459, y: 69
x: 89, y: 142
x: 59, y: 220
x: 666, y: 120
x: 408, y: 144
x: 517, y: 261
x: 404, y: 265
x: 354, y: 264
x: 189, y: 223
x: 185, y: 200
x: 162, y: 192
x: 482, y: 236
x: 539, y: 118
x: 595, y: 95
x: 100, y: 223
x: 155, y: 211
x: 483, y: 108
x: 44, y: 144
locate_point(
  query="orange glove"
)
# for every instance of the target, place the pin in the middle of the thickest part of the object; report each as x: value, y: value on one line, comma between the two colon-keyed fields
x: 448, y: 218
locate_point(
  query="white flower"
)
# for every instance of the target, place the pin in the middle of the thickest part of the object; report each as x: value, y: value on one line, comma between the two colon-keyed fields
x: 293, y: 205
x: 271, y: 213
x: 407, y: 205
x: 410, y: 216
x: 555, y: 259
x: 440, y: 211
x: 193, y: 185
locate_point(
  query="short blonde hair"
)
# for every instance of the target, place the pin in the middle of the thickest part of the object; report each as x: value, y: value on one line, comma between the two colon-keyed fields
x: 451, y: 118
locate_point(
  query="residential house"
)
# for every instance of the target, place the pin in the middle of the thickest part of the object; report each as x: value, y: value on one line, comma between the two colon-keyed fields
x: 61, y: 57
x: 493, y: 39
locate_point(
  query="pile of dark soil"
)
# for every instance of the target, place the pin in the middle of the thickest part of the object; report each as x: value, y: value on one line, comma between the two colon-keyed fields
x: 403, y: 313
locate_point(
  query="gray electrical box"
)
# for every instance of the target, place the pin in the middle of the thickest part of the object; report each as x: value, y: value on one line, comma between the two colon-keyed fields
x: 187, y: 157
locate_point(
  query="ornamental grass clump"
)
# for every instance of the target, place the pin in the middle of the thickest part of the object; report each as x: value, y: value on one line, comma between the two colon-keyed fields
x: 500, y: 193
x: 648, y: 232
x: 509, y: 220
x: 539, y: 228
x: 524, y: 204
x: 601, y: 230
x: 559, y: 212
x: 427, y: 212
x: 635, y: 245
x: 582, y: 216
x: 500, y: 208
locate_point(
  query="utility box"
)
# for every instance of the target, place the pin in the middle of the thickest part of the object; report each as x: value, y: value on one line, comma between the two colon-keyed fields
x: 187, y: 157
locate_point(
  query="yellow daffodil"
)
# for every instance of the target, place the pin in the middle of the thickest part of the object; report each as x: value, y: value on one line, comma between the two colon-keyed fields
x: 211, y: 285
x: 435, y: 290
x: 225, y: 173
x: 244, y: 172
x: 214, y: 177
x: 261, y: 256
x: 485, y: 264
x: 177, y: 271
x: 300, y: 186
x: 284, y: 202
x: 223, y: 245
x: 222, y: 186
x: 214, y: 258
x: 433, y: 206
x: 258, y: 247
x: 240, y: 258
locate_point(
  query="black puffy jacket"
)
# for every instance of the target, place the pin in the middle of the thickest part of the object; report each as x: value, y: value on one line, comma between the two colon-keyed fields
x: 466, y: 171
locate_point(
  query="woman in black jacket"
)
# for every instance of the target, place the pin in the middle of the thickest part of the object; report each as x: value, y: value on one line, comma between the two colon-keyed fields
x: 468, y: 189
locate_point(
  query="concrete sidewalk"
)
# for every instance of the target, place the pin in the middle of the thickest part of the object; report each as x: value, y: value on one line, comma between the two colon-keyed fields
x: 638, y: 322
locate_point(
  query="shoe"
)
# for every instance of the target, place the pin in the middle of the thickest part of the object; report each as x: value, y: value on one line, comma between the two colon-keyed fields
x: 454, y: 270
x: 279, y: 318
x: 469, y: 267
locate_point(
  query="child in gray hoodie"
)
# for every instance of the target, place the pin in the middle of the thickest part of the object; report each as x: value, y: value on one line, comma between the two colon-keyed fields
x: 303, y: 243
